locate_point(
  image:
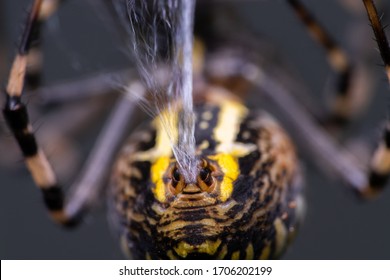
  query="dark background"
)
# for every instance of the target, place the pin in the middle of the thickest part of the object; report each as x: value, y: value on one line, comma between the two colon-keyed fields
x: 78, y: 41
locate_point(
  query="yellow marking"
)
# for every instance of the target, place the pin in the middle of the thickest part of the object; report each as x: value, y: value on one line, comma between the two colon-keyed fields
x: 266, y: 252
x: 236, y: 255
x: 207, y: 115
x: 225, y: 133
x: 225, y: 207
x: 17, y: 74
x: 148, y: 257
x: 241, y: 149
x: 129, y: 191
x: 170, y: 255
x: 41, y: 170
x: 229, y: 120
x: 135, y: 172
x: 48, y: 8
x: 157, y: 171
x: 151, y: 221
x: 158, y: 209
x: 249, y: 252
x: 166, y: 125
x: 230, y: 168
x: 338, y: 59
x: 208, y: 247
x: 202, y: 200
x: 136, y: 217
x: 281, y: 235
x: 204, y: 125
x: 166, y: 128
x: 179, y: 224
x: 223, y: 252
x: 204, y: 145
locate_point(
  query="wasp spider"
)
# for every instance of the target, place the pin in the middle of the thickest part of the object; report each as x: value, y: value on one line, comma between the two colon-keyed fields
x: 248, y: 198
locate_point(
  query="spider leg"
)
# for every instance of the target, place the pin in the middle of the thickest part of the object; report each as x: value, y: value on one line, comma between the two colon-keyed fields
x: 348, y: 100
x: 380, y: 163
x: 91, y: 180
x: 366, y: 181
x: 34, y: 56
x: 97, y: 85
x: 314, y: 140
x: 16, y: 116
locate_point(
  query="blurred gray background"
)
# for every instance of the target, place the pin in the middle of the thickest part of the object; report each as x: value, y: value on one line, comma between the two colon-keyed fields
x: 78, y: 41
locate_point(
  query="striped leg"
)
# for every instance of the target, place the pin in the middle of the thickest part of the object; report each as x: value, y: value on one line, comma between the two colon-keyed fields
x: 15, y: 114
x: 346, y: 102
x: 91, y: 179
x: 380, y: 164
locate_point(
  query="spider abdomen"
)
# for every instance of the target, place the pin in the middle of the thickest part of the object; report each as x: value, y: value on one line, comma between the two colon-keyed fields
x: 245, y: 203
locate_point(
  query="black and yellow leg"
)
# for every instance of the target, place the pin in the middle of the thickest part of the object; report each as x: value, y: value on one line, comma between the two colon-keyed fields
x: 364, y: 179
x: 16, y: 116
x: 342, y: 107
x: 90, y: 183
x: 380, y: 163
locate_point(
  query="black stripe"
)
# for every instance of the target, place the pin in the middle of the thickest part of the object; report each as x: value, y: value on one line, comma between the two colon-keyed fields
x: 53, y: 198
x: 139, y: 183
x: 192, y: 215
x: 28, y: 145
x: 344, y: 81
x: 336, y: 120
x: 245, y: 128
x: 15, y: 114
x: 243, y: 187
x: 147, y: 145
x: 20, y: 119
x: 377, y: 181
x: 206, y: 134
x: 386, y: 137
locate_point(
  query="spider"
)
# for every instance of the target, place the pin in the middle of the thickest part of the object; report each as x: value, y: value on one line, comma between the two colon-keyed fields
x: 325, y: 214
